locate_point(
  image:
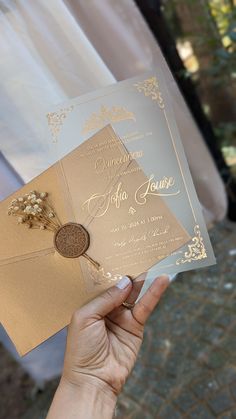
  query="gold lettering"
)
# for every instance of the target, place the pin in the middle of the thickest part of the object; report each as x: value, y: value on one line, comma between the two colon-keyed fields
x: 151, y: 187
x: 98, y: 204
x: 101, y: 164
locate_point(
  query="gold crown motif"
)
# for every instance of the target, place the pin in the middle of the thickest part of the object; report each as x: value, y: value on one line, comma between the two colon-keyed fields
x: 105, y: 116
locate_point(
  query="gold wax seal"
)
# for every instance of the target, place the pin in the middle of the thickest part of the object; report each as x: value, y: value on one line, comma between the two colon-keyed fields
x: 71, y: 240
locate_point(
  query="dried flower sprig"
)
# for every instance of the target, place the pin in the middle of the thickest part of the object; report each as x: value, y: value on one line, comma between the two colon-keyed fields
x: 34, y: 211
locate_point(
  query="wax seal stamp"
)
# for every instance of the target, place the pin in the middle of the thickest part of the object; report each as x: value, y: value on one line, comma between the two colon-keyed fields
x: 71, y: 240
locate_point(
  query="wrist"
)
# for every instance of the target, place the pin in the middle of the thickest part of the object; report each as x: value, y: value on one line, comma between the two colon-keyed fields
x: 91, y: 390
x: 85, y: 399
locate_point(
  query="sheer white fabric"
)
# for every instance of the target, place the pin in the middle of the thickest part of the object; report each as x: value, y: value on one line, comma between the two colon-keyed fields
x: 46, y: 58
x: 56, y: 50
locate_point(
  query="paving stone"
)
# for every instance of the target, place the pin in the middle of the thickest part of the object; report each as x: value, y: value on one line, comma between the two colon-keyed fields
x: 214, y: 335
x: 190, y: 370
x: 228, y: 287
x: 221, y: 401
x: 209, y: 311
x: 185, y: 401
x: 149, y: 374
x: 198, y: 328
x: 41, y: 403
x: 200, y: 412
x: 191, y: 307
x: 198, y: 348
x: 174, y: 364
x: 227, y: 375
x: 205, y: 386
x: 230, y: 343
x: 157, y: 359
x: 151, y: 401
x: 217, y: 358
x: 211, y: 282
x: 231, y: 302
x: 139, y: 414
x: 225, y: 319
x: 180, y: 328
x: 226, y: 416
x: 233, y: 389
x: 164, y: 386
x: 136, y: 392
x: 174, y: 300
x: 169, y: 412
x: 233, y: 413
x: 201, y: 293
x: 233, y: 328
x: 181, y: 346
x: 125, y: 407
x: 218, y: 298
x: 163, y: 344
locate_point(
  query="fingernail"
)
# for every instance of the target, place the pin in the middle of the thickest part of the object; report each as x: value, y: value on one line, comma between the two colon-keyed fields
x: 123, y: 283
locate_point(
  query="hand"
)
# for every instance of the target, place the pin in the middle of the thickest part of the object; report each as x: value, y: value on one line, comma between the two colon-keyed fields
x: 103, y: 341
x: 104, y: 337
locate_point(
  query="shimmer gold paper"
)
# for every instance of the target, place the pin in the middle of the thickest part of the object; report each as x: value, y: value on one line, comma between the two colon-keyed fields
x: 101, y: 186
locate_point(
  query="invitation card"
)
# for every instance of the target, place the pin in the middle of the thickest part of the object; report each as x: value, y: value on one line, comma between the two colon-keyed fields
x: 139, y: 110
x: 118, y: 201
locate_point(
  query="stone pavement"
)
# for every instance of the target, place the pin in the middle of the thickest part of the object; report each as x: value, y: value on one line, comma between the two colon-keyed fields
x: 187, y: 364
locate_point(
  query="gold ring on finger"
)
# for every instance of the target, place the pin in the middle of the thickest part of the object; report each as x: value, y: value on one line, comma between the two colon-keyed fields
x: 128, y: 305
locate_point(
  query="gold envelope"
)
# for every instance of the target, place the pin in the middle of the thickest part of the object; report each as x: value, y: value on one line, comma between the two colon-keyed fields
x: 39, y: 288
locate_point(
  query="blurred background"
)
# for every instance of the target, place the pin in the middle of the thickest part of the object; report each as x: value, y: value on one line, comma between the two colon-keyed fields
x: 52, y: 51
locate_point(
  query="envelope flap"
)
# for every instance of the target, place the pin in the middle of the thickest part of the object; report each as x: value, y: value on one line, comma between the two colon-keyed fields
x: 63, y: 182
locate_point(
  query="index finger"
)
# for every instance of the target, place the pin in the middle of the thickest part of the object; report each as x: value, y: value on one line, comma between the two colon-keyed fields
x: 150, y: 299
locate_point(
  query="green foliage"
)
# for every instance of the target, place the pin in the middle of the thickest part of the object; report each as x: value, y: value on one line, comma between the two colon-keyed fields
x: 217, y: 18
x: 225, y: 132
x: 224, y: 62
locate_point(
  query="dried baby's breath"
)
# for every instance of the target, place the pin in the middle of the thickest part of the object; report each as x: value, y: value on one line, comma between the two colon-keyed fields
x: 34, y: 211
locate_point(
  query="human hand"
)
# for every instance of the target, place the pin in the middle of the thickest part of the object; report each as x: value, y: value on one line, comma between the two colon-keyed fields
x: 103, y: 341
x: 104, y: 337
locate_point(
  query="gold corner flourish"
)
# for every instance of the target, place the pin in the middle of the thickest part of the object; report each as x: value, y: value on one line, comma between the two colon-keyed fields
x: 150, y: 87
x: 196, y: 249
x: 56, y: 120
x: 99, y: 276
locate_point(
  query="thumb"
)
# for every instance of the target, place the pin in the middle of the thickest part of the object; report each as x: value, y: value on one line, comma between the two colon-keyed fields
x: 109, y: 300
